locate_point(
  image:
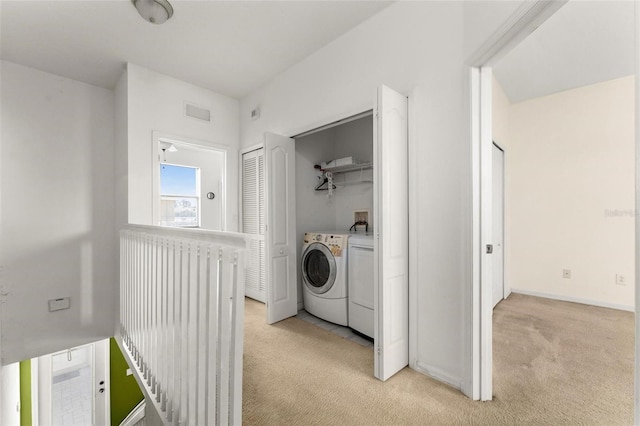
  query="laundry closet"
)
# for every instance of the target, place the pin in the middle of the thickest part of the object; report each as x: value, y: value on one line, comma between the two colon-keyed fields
x: 334, y: 205
x: 302, y: 195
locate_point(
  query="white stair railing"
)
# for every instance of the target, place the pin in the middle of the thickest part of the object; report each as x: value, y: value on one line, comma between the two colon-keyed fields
x: 181, y: 318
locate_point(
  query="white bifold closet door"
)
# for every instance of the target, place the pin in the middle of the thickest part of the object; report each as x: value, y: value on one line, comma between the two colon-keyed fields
x: 282, y: 285
x: 253, y: 222
x: 391, y: 233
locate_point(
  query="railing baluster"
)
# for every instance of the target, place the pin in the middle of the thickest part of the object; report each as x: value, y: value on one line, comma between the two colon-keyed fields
x: 202, y: 330
x: 177, y: 327
x: 224, y: 338
x: 162, y: 362
x: 218, y: 336
x: 193, y: 336
x: 179, y: 321
x: 186, y: 303
x: 169, y: 330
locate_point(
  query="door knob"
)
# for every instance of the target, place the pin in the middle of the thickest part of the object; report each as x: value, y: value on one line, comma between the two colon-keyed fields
x: 281, y: 251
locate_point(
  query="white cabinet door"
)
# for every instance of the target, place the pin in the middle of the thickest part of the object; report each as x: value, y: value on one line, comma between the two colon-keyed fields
x: 282, y: 297
x: 391, y: 227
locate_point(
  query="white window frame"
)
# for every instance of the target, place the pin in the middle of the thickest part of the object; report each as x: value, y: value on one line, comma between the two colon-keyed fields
x: 156, y: 159
x: 197, y: 196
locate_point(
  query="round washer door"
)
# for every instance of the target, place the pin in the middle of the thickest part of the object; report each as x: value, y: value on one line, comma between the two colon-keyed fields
x: 318, y: 268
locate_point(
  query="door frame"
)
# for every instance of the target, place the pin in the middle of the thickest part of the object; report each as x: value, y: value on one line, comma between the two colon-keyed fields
x: 478, y: 341
x: 636, y: 399
x: 159, y: 137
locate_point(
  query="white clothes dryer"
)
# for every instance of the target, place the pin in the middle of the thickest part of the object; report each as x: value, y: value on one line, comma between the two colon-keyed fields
x: 324, y: 276
x: 361, y: 265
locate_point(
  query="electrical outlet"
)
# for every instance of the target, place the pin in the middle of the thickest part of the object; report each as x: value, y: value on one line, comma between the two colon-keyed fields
x: 621, y: 279
x: 566, y: 273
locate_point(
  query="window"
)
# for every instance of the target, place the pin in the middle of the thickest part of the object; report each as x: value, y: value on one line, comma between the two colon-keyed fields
x: 179, y: 196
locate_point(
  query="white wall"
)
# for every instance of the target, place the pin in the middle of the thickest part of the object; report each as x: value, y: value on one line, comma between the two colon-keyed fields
x: 58, y: 224
x: 416, y: 48
x: 156, y: 103
x: 570, y: 193
x: 500, y: 119
x: 354, y: 139
x: 121, y: 150
x: 315, y: 211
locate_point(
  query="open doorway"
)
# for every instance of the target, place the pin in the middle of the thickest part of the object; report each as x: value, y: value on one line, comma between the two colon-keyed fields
x: 189, y: 184
x: 70, y: 387
x: 564, y: 176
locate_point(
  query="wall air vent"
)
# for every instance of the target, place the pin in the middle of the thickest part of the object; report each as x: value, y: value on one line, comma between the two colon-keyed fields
x: 197, y: 112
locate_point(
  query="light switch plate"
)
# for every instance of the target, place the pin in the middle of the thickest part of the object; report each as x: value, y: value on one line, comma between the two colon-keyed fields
x: 59, y: 304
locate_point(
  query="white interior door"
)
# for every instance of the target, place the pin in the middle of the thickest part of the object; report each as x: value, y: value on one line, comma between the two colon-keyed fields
x: 253, y: 222
x: 391, y: 232
x: 498, y: 224
x: 80, y: 374
x: 280, y: 202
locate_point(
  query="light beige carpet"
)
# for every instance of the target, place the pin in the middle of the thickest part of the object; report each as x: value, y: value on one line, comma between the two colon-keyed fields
x: 555, y: 363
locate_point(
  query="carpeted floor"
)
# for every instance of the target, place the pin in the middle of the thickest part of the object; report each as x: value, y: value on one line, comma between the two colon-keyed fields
x: 555, y: 363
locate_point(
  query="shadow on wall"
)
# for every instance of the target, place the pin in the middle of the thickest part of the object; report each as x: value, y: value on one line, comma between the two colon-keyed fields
x: 58, y: 213
x: 77, y: 268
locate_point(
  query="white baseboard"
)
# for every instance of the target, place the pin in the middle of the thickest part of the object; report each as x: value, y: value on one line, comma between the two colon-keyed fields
x: 438, y: 374
x: 300, y: 306
x: 575, y: 300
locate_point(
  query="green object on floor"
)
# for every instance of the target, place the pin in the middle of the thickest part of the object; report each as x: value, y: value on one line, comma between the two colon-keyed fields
x: 125, y: 392
x: 25, y: 393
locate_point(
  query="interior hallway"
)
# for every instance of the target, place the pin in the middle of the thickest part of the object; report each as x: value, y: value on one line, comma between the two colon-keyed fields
x: 554, y: 363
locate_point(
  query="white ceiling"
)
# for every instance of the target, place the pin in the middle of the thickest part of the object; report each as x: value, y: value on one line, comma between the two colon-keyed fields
x: 231, y: 47
x: 585, y: 42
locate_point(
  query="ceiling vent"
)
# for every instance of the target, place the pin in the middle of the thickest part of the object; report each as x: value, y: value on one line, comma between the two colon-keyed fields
x: 197, y: 112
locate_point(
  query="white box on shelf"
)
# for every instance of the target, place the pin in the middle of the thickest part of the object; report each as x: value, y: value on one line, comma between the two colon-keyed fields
x: 339, y: 162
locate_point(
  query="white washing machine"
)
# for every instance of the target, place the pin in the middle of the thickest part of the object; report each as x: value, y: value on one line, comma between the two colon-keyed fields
x: 361, y: 283
x: 324, y: 276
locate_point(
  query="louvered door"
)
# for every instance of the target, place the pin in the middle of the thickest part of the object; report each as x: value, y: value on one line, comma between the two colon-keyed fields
x: 253, y: 222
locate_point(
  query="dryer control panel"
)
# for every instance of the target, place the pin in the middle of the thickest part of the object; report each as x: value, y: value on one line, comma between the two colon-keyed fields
x: 335, y: 242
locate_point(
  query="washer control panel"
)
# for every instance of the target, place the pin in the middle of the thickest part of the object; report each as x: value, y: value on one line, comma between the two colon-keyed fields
x: 335, y: 242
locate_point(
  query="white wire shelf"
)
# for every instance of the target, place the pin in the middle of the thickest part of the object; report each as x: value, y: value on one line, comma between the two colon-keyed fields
x: 349, y: 168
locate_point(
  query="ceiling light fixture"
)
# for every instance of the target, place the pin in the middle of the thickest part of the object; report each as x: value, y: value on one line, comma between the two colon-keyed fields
x: 154, y: 11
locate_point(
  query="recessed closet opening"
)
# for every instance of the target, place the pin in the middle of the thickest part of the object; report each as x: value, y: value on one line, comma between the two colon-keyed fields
x: 327, y: 211
x: 334, y: 227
